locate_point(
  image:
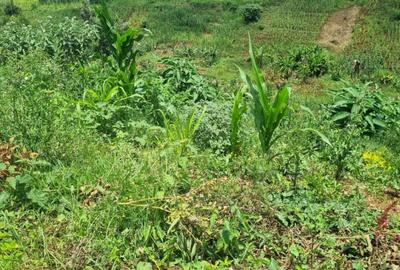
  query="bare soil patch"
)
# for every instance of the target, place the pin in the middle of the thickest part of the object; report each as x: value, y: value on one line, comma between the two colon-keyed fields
x: 337, y: 31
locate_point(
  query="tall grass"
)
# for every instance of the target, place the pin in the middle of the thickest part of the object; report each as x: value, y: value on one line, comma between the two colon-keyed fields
x: 238, y: 109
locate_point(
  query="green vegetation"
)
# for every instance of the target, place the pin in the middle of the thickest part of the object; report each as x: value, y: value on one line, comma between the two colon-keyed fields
x: 139, y: 134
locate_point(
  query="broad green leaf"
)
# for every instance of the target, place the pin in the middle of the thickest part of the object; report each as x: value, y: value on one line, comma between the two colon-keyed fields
x: 340, y: 116
x: 24, y: 179
x: 144, y: 266
x: 319, y: 134
x: 274, y: 265
x: 294, y: 250
x: 379, y: 122
x: 12, y: 181
x: 38, y: 197
x: 4, y: 199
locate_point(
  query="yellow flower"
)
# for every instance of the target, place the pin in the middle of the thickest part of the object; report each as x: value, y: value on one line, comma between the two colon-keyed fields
x: 374, y: 159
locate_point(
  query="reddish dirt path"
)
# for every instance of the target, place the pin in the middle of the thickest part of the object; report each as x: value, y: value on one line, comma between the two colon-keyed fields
x: 337, y: 30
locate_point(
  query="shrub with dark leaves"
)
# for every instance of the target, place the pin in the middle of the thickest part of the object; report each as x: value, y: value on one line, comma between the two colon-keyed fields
x: 251, y: 13
x: 12, y: 9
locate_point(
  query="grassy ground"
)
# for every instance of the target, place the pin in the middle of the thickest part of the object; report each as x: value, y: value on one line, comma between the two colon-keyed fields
x: 83, y: 197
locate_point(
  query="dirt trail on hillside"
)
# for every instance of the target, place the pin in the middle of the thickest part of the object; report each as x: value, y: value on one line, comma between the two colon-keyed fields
x: 337, y: 30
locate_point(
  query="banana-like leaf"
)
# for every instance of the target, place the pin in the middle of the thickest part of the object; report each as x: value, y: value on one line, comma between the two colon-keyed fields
x: 340, y: 116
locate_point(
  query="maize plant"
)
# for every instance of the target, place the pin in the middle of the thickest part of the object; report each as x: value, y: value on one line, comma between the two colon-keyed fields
x: 268, y: 111
x: 122, y: 47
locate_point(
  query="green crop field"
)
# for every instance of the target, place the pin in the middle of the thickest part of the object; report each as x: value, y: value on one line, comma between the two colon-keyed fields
x: 200, y: 134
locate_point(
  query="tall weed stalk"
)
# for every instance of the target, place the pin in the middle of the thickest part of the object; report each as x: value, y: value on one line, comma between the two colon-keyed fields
x: 238, y: 109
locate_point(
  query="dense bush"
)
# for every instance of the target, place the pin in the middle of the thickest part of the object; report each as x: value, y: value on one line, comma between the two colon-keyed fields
x: 12, y: 9
x: 86, y: 12
x: 251, y: 13
x: 304, y: 62
x: 68, y: 40
x: 214, y: 131
x: 184, y: 78
x: 139, y: 151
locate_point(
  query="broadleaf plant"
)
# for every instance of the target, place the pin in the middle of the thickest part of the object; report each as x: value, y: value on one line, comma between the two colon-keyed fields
x: 360, y: 106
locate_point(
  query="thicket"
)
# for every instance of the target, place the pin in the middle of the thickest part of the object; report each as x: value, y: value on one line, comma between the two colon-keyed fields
x: 173, y: 170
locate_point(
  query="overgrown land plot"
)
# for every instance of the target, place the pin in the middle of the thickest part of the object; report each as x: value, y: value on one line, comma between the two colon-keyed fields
x: 200, y: 134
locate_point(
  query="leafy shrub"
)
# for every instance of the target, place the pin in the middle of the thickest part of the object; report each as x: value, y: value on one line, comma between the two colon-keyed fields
x: 251, y: 13
x: 105, y: 108
x: 184, y: 78
x: 75, y: 40
x: 68, y: 40
x: 213, y: 132
x: 344, y: 154
x: 179, y: 73
x: 28, y: 83
x: 12, y: 9
x: 358, y: 105
x: 305, y: 62
x: 142, y: 133
x: 396, y: 15
x: 157, y: 96
x: 86, y: 12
